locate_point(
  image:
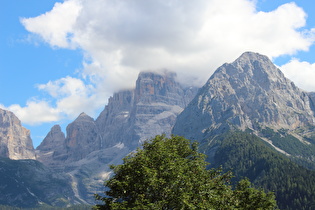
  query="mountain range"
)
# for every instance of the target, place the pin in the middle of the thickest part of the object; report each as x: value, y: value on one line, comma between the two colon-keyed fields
x: 248, y: 102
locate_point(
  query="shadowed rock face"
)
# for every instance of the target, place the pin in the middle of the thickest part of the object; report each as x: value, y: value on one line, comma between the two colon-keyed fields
x: 81, y: 136
x: 54, y: 139
x: 15, y: 140
x: 247, y: 93
x: 56, y: 149
x: 52, y: 148
x: 113, y: 122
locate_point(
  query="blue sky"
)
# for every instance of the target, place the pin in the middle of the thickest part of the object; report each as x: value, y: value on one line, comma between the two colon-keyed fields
x: 61, y: 58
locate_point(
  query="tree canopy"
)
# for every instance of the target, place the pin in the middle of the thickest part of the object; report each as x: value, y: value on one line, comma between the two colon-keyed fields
x: 170, y: 173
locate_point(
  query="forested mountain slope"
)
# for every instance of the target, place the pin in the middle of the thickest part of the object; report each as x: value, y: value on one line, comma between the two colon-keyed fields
x: 246, y: 155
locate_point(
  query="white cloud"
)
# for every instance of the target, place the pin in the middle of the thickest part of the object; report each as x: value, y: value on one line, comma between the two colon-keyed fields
x: 73, y: 96
x: 56, y: 26
x: 193, y: 38
x: 35, y: 112
x: 66, y: 87
x: 301, y: 72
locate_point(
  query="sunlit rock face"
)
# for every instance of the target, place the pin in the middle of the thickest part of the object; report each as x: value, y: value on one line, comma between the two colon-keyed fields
x: 251, y: 92
x: 15, y: 140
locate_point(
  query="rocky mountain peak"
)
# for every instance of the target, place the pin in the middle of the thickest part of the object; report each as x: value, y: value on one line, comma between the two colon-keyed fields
x: 159, y: 98
x: 15, y: 140
x: 54, y: 138
x: 52, y: 148
x: 57, y: 149
x: 249, y: 57
x: 133, y: 116
x: 247, y: 93
x: 154, y: 87
x: 81, y: 134
x: 84, y: 117
x: 56, y: 129
x: 251, y: 69
x: 261, y: 69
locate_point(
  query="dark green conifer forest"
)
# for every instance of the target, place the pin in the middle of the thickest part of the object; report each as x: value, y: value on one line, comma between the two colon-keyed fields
x: 248, y: 156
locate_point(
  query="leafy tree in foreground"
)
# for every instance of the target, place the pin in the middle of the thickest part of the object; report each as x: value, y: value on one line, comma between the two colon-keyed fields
x: 169, y: 173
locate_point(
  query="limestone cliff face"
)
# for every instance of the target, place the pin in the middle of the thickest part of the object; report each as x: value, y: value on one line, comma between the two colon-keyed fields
x: 113, y: 122
x: 159, y: 99
x: 248, y: 93
x: 54, y: 139
x: 312, y: 100
x: 56, y: 150
x: 160, y: 88
x: 150, y: 109
x: 15, y: 140
x: 81, y: 136
x: 52, y: 150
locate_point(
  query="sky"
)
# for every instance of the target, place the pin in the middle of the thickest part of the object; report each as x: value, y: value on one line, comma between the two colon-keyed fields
x: 59, y: 58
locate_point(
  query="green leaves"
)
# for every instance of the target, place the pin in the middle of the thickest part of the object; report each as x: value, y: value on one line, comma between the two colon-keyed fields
x: 250, y: 198
x: 169, y: 173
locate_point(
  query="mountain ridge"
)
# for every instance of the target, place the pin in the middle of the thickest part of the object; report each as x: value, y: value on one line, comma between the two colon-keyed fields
x: 251, y: 92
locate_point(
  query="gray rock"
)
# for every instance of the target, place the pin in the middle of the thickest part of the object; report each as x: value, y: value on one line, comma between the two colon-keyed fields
x: 158, y: 101
x: 15, y: 140
x: 54, y: 139
x: 81, y: 137
x: 52, y: 149
x: 113, y: 122
x: 312, y: 99
x: 133, y: 116
x: 130, y: 117
x: 251, y: 92
x: 56, y: 150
